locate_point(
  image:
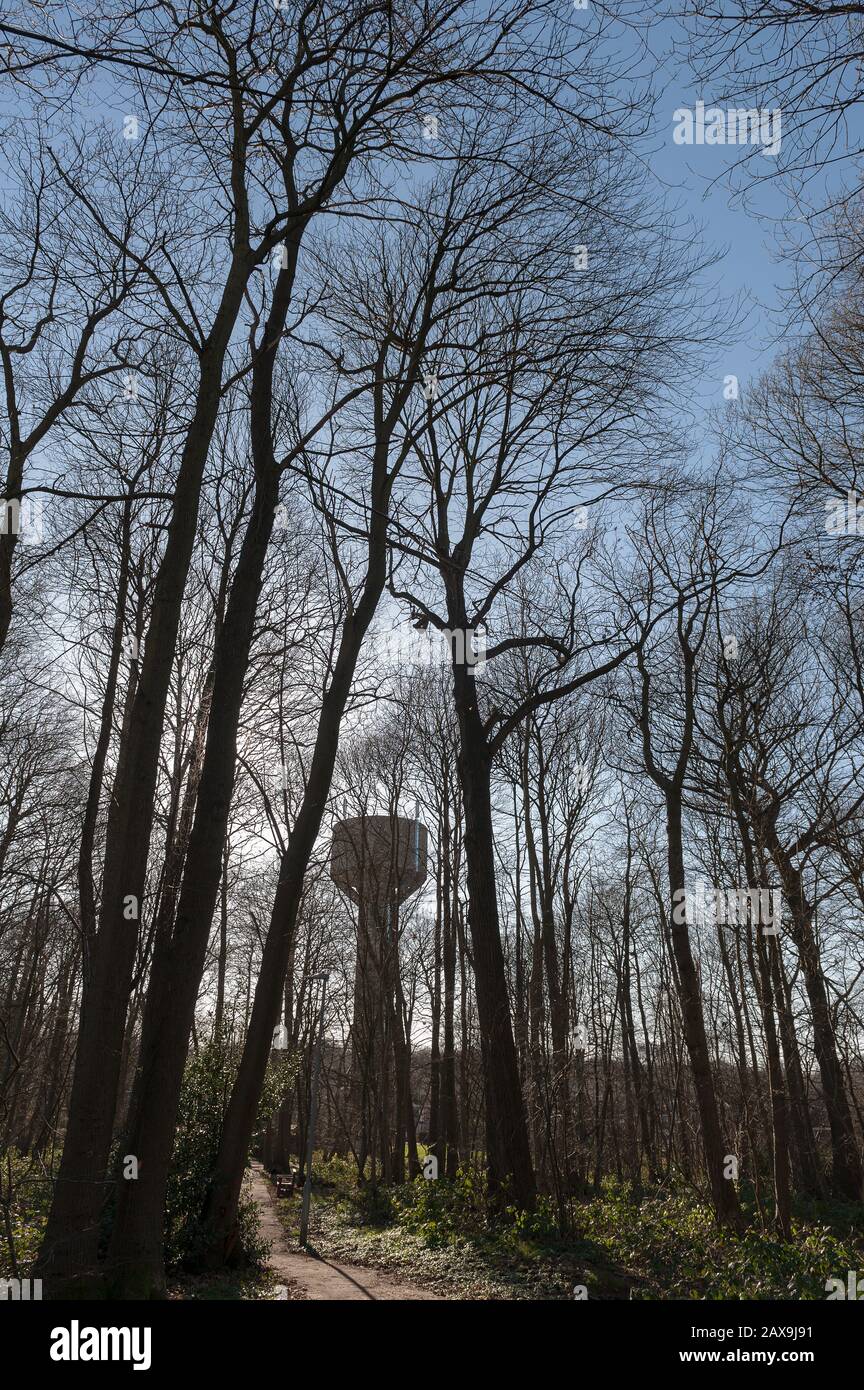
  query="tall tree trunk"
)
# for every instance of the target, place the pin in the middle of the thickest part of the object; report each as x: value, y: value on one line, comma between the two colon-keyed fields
x: 810, y: 1177
x: 449, y: 1106
x: 135, y: 1253
x: 86, y: 891
x: 434, y: 1136
x: 222, y: 964
x: 765, y: 978
x: 69, y: 1246
x: 723, y: 1194
x: 509, y: 1158
x: 846, y: 1170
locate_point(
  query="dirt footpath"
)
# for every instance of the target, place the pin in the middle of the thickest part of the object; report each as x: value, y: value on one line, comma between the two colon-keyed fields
x: 314, y: 1277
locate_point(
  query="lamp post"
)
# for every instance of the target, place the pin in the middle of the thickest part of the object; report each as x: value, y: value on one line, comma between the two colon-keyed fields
x: 313, y: 1110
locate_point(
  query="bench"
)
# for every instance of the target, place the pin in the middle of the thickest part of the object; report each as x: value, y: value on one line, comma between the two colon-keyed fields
x: 285, y: 1184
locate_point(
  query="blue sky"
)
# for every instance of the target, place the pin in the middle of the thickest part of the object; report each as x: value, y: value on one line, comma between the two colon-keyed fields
x: 743, y: 232
x: 697, y: 182
x: 746, y: 231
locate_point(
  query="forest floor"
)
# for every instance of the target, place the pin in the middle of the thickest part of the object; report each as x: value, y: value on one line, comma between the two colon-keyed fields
x: 346, y: 1232
x: 316, y: 1276
x: 434, y: 1241
x: 667, y: 1246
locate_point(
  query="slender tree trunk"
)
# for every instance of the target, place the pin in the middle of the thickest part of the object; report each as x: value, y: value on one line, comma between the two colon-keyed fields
x: 449, y: 1105
x: 86, y: 891
x: 509, y: 1156
x: 434, y: 1137
x: 219, y: 1010
x: 810, y: 1178
x: 846, y: 1170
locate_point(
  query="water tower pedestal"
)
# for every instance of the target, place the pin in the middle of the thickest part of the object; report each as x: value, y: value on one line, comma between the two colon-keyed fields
x: 379, y: 862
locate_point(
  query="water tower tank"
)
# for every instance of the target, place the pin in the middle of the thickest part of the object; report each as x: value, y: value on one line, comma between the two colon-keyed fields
x: 378, y: 860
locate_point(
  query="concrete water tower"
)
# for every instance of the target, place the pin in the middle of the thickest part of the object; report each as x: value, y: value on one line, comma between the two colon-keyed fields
x: 379, y: 862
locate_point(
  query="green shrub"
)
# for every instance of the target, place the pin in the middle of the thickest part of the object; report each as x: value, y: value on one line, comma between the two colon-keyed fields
x: 372, y: 1205
x: 444, y: 1211
x: 26, y: 1190
x: 203, y: 1102
x: 540, y: 1226
x: 676, y: 1244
